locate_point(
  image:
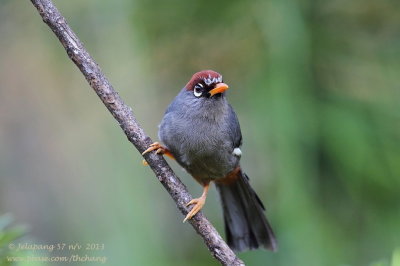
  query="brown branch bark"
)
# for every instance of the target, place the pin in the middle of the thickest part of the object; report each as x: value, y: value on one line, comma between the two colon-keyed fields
x: 124, y: 115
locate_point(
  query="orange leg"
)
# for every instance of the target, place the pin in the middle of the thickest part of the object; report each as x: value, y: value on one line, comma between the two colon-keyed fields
x: 159, y: 150
x: 199, y: 203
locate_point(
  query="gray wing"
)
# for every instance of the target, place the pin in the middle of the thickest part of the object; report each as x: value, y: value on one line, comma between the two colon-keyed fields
x: 234, y: 128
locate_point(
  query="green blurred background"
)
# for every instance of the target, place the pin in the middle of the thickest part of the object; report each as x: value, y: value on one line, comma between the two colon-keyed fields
x: 315, y: 85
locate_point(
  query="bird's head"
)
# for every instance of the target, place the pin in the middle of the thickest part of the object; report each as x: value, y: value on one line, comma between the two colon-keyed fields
x: 206, y: 84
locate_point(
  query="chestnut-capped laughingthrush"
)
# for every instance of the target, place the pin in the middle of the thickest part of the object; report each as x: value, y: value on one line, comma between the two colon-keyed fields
x: 201, y: 131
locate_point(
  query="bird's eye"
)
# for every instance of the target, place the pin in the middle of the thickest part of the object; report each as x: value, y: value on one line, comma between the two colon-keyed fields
x: 197, y: 90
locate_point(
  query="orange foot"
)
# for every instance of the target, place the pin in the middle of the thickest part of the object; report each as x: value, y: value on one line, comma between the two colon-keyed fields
x: 159, y: 150
x: 199, y: 203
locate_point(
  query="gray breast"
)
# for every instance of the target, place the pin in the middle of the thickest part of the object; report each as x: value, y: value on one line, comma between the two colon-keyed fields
x: 199, y: 139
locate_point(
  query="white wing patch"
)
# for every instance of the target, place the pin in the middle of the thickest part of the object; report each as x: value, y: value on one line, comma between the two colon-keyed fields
x: 237, y: 152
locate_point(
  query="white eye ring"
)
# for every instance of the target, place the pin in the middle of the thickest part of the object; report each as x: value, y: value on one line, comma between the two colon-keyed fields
x: 197, y: 92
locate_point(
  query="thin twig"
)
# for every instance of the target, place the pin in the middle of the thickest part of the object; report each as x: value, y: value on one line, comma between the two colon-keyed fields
x: 123, y: 114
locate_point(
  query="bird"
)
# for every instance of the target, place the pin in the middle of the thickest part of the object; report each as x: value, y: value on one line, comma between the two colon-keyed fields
x: 201, y: 131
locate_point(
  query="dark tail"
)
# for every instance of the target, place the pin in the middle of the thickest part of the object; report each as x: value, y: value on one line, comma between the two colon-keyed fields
x: 245, y: 223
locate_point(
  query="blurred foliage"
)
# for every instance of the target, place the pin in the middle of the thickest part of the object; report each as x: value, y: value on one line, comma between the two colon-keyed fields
x: 395, y: 261
x: 316, y: 88
x: 8, y: 235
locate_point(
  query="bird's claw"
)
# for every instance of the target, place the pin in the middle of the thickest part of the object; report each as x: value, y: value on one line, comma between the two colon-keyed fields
x: 159, y: 150
x: 199, y: 203
x: 155, y: 146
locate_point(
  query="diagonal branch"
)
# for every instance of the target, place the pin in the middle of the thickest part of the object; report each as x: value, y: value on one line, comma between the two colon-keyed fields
x: 123, y: 114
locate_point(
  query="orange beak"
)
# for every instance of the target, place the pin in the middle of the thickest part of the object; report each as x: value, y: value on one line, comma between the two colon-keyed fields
x: 219, y: 88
